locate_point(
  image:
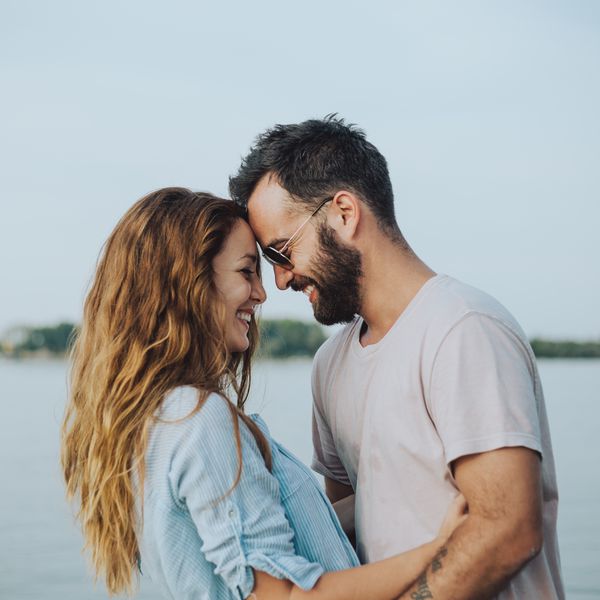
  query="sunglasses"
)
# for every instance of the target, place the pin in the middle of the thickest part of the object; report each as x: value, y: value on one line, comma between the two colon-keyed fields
x: 277, y: 258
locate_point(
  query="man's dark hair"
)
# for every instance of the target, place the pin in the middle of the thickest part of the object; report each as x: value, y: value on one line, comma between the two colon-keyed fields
x: 315, y: 159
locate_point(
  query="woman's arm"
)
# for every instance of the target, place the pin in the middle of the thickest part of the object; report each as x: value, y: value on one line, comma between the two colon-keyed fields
x: 383, y: 580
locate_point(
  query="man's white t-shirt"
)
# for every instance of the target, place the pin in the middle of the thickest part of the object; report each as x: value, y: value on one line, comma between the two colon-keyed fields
x: 455, y: 375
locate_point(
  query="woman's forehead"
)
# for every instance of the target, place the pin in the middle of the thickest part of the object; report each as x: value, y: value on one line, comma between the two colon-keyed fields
x: 239, y: 244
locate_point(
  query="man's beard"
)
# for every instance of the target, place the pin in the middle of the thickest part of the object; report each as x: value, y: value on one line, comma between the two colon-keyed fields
x: 336, y: 270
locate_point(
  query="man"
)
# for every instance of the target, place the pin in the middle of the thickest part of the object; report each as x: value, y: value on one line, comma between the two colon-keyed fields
x: 431, y: 388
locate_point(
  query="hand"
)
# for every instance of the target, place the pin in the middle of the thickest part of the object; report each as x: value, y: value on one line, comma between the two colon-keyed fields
x: 455, y: 516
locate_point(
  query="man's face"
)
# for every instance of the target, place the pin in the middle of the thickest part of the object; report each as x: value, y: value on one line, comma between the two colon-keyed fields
x: 325, y: 269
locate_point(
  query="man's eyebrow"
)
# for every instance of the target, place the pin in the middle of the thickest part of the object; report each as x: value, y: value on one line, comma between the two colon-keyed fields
x: 276, y: 242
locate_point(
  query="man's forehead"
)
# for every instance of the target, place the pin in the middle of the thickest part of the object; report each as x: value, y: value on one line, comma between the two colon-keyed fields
x: 268, y: 196
x: 268, y: 211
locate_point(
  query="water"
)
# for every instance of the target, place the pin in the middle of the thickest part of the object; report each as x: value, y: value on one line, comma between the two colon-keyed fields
x: 572, y: 390
x: 40, y: 546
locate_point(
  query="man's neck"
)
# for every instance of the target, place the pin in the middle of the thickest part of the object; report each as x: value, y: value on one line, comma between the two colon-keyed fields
x: 392, y: 277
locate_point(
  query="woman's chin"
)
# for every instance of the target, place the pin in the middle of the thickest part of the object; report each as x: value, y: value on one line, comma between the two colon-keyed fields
x: 238, y: 346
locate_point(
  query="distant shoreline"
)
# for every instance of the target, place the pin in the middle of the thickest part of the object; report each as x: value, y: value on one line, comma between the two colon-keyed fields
x: 61, y: 358
x: 565, y: 348
x: 280, y: 339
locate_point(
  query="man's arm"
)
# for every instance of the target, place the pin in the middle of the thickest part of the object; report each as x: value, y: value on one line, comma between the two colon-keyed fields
x: 337, y: 491
x: 342, y: 498
x: 502, y: 532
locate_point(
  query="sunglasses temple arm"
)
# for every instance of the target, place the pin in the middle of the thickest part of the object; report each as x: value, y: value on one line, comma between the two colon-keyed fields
x: 285, y: 247
x: 295, y: 234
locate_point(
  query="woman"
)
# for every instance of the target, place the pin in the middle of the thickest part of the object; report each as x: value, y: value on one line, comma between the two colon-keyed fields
x: 171, y: 475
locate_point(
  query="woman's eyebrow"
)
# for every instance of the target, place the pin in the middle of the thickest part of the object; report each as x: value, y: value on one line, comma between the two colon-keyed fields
x: 253, y: 257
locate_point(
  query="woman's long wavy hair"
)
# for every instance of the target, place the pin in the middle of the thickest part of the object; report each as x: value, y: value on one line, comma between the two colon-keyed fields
x: 153, y: 320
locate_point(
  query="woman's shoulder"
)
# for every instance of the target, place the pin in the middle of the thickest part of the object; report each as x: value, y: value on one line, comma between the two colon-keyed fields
x: 204, y: 425
x: 188, y: 404
x: 198, y: 434
x: 260, y: 423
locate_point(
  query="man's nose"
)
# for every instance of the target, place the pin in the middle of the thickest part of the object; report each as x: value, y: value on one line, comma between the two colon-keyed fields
x: 283, y: 277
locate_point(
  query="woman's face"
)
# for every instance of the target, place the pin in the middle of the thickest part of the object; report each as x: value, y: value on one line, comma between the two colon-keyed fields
x: 239, y: 284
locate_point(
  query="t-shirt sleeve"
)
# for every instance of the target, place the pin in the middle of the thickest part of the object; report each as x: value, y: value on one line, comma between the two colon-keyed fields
x: 243, y: 530
x: 482, y: 389
x: 325, y: 460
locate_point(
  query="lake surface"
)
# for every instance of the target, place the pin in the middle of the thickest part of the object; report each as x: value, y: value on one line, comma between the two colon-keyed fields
x: 40, y: 547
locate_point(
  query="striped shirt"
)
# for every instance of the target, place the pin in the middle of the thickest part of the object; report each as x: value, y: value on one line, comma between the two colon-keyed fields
x: 198, y: 542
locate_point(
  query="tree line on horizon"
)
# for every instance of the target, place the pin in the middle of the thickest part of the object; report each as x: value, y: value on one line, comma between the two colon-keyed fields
x: 280, y: 338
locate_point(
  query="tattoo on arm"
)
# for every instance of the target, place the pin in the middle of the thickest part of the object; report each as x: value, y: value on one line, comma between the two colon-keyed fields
x: 436, y: 565
x: 423, y: 592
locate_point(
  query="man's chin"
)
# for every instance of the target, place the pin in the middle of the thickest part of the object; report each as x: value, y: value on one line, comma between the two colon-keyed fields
x: 331, y: 317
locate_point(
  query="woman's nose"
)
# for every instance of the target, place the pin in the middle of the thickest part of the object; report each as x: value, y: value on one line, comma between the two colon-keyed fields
x: 258, y: 291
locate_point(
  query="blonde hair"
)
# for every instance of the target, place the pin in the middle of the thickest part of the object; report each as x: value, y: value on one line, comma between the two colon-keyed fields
x: 152, y: 321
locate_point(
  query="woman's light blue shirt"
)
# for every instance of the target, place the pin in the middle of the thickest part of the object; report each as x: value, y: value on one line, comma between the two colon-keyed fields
x: 196, y: 541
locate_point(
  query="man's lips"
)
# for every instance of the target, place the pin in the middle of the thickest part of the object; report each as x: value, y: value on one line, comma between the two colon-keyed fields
x: 311, y: 292
x: 306, y: 286
x: 299, y: 284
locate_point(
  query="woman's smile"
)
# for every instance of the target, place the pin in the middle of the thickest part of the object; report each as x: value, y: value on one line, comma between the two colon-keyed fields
x: 239, y: 284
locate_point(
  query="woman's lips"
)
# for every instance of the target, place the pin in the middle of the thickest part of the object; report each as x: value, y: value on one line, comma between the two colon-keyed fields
x: 244, y: 317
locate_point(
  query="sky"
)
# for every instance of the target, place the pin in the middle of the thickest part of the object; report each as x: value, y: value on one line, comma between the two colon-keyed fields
x: 487, y: 112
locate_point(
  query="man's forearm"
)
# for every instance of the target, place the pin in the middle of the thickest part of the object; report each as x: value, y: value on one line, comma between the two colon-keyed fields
x: 475, y: 563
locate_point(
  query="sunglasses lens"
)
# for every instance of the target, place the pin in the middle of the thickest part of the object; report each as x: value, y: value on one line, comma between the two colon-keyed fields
x: 276, y: 258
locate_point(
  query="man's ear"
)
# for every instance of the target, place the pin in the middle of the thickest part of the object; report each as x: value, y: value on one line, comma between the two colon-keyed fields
x: 344, y: 215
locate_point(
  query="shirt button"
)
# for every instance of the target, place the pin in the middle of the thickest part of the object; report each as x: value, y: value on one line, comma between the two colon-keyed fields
x: 231, y: 513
